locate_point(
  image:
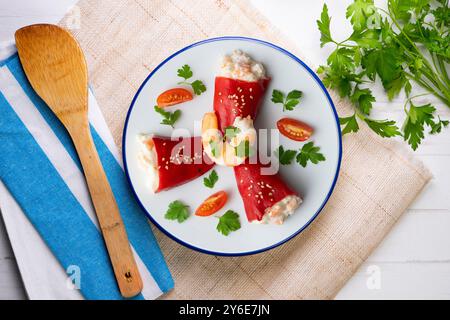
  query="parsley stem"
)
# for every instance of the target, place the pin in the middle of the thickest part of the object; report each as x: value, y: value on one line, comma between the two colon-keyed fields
x: 413, y: 97
x: 425, y: 85
x: 443, y: 68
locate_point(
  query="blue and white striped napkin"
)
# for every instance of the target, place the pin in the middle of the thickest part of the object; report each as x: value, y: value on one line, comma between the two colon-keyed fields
x: 41, y: 171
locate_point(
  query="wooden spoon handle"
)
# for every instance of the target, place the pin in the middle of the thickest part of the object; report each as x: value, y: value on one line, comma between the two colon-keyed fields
x: 110, y: 221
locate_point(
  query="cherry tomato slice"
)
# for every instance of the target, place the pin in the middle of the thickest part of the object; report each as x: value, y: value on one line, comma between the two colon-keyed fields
x: 294, y: 129
x: 173, y: 96
x: 212, y: 204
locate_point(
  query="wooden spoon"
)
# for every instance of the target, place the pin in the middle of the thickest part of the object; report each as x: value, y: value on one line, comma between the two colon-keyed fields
x: 56, y: 68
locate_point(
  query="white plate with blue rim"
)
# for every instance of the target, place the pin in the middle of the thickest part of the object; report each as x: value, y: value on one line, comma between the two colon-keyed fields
x: 315, y: 182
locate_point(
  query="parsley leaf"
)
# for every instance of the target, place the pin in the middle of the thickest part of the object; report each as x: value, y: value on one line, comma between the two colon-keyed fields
x: 384, y: 62
x: 309, y: 152
x: 290, y: 102
x: 186, y: 73
x: 418, y: 117
x: 285, y: 156
x: 369, y: 38
x: 324, y: 26
x: 244, y: 149
x: 384, y: 128
x: 358, y: 12
x: 169, y: 118
x: 363, y: 99
x: 177, y: 211
x: 231, y: 132
x: 341, y: 59
x: 351, y: 125
x: 437, y: 127
x: 215, y: 147
x: 277, y: 96
x: 228, y: 222
x: 198, y: 87
x: 211, y: 180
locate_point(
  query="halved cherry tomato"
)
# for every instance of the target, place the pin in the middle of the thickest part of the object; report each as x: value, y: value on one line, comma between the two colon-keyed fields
x: 294, y: 129
x: 173, y: 96
x: 212, y: 204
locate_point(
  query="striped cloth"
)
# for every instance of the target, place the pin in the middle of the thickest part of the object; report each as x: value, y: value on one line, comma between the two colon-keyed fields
x: 40, y: 169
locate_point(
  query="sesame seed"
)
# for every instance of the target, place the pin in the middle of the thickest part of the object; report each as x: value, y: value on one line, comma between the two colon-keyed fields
x: 220, y: 93
x: 166, y: 167
x: 251, y: 97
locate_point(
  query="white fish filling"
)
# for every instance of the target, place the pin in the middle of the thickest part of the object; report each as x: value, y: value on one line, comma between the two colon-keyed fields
x: 281, y: 210
x: 239, y: 65
x: 148, y: 160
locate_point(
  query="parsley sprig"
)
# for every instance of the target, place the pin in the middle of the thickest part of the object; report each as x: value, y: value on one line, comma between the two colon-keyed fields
x: 169, y: 118
x: 309, y: 152
x: 228, y: 222
x: 186, y: 73
x: 211, y: 180
x: 409, y: 42
x: 290, y: 101
x: 177, y: 211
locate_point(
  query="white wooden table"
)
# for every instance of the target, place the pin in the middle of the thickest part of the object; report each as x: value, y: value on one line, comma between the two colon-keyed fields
x: 413, y: 262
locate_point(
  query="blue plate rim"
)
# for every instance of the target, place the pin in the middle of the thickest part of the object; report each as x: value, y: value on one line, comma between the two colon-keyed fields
x: 322, y: 86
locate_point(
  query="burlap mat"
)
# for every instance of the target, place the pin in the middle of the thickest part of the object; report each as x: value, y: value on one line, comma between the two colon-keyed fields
x: 124, y: 40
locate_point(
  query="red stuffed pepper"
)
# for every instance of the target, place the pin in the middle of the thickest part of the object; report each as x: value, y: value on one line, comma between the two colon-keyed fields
x: 171, y: 162
x: 237, y: 98
x: 239, y: 91
x: 267, y: 198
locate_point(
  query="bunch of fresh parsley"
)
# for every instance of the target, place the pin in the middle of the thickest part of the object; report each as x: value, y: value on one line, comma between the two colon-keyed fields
x: 409, y: 42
